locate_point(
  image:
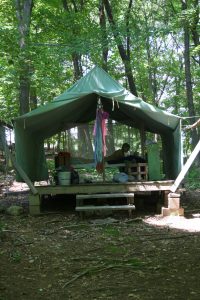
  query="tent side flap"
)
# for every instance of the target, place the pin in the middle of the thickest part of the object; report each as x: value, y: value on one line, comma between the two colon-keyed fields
x: 30, y: 155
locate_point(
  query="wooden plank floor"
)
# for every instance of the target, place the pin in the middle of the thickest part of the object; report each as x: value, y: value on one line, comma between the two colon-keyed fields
x: 106, y: 187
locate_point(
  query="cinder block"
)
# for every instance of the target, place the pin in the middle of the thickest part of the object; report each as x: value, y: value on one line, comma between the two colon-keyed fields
x: 165, y: 211
x: 174, y: 195
x: 177, y: 212
x: 172, y: 212
x: 181, y: 211
x: 173, y: 203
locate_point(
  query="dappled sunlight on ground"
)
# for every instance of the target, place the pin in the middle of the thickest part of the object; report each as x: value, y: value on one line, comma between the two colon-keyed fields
x: 191, y: 224
x: 21, y: 186
x: 18, y: 186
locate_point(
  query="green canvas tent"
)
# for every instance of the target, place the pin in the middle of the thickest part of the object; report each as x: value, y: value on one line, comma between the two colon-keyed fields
x: 78, y: 105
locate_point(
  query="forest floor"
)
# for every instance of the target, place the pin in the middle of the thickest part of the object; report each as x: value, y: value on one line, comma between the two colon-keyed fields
x: 59, y: 256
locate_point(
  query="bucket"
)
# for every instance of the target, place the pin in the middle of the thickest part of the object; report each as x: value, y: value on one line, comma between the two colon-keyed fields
x: 64, y: 178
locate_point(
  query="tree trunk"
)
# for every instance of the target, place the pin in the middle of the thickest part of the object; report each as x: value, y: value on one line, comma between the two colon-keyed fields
x: 82, y: 150
x: 84, y: 140
x: 33, y: 98
x: 78, y: 73
x: 23, y: 13
x: 110, y: 138
x: 151, y: 69
x: 58, y: 142
x: 188, y: 77
x: 122, y: 51
x: 128, y: 39
x: 102, y: 22
x: 88, y: 142
x: 85, y: 148
x: 24, y: 88
x: 194, y: 29
x: 69, y: 142
x: 104, y: 43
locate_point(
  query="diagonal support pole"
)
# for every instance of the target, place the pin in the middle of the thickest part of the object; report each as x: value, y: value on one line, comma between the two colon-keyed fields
x: 185, y: 168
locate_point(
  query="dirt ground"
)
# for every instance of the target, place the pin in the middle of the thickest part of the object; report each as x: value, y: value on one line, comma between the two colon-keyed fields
x: 58, y: 256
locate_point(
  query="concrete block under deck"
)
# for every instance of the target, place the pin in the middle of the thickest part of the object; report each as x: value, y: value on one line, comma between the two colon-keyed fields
x: 172, y: 212
x: 172, y: 205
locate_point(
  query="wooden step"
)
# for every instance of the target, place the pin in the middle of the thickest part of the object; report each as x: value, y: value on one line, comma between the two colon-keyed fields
x: 109, y: 195
x: 105, y: 207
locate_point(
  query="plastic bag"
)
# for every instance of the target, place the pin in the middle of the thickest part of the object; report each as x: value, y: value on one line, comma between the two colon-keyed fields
x: 120, y: 177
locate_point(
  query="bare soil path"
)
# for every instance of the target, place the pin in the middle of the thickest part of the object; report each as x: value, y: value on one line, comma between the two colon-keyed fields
x: 59, y: 257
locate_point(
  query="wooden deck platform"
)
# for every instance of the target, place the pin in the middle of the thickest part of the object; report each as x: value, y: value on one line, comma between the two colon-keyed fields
x: 96, y: 188
x: 105, y: 187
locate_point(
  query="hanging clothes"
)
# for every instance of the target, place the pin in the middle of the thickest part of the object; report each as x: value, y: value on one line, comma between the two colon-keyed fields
x: 100, y: 132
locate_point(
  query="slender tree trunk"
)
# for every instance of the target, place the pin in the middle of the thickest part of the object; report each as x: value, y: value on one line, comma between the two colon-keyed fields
x: 128, y: 38
x: 59, y: 142
x: 24, y: 87
x: 87, y: 140
x: 151, y: 73
x: 110, y: 138
x: 178, y: 85
x: 151, y: 70
x: 104, y: 38
x: 194, y: 28
x: 69, y: 142
x: 102, y: 22
x: 122, y: 51
x: 177, y: 81
x: 84, y: 140
x: 23, y: 13
x: 188, y: 77
x: 65, y: 141
x: 82, y: 149
x: 129, y: 135
x: 85, y: 144
x: 78, y: 72
x: 32, y: 92
x: 48, y: 145
x: 33, y: 98
x: 76, y: 57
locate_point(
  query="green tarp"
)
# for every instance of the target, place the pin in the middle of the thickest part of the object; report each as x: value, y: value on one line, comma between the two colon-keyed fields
x: 78, y: 105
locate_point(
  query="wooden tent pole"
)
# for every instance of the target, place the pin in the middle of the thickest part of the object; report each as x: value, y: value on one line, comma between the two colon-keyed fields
x: 185, y: 168
x: 104, y: 173
x: 143, y: 140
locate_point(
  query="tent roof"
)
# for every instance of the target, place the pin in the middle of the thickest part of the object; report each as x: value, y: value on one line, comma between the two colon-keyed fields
x: 78, y: 105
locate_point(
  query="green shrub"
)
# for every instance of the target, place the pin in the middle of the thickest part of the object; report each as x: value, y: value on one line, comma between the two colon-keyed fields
x: 192, y: 179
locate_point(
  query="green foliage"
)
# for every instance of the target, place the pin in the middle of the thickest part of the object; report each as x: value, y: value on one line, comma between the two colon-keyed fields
x: 155, y: 30
x: 111, y: 231
x: 192, y: 180
x: 114, y: 250
x: 2, y: 226
x: 16, y: 256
